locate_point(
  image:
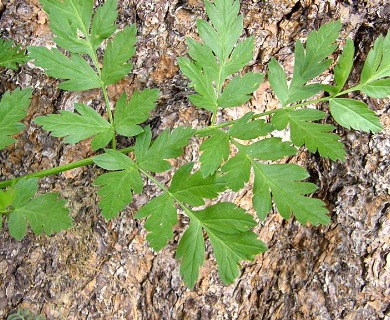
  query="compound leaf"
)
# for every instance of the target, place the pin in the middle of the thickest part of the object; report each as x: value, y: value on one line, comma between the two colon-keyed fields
x: 12, y: 109
x: 76, y: 127
x: 11, y: 55
x: 192, y: 189
x: 354, y: 114
x: 162, y: 216
x: 128, y: 115
x: 78, y: 74
x: 283, y: 182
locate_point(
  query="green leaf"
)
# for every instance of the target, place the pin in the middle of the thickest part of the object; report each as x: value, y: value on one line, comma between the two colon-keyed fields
x: 354, y: 114
x: 343, y: 68
x: 315, y: 136
x: 311, y: 61
x: 219, y: 57
x: 245, y: 128
x: 242, y: 54
x: 237, y: 91
x: 128, y: 115
x: 118, y: 53
x: 215, y: 150
x: 377, y: 88
x: 113, y: 160
x: 225, y: 28
x: 77, y: 72
x: 192, y: 189
x: 24, y: 191
x: 45, y: 214
x: 103, y: 23
x: 168, y: 145
x: 116, y: 190
x: 377, y: 64
x: 11, y: 55
x: 76, y: 127
x: 237, y: 171
x: 228, y: 228
x: 162, y: 216
x: 270, y: 149
x: 283, y: 182
x: 278, y: 81
x: 202, y: 81
x: 191, y: 252
x: 12, y: 110
x: 70, y: 23
x: 7, y: 196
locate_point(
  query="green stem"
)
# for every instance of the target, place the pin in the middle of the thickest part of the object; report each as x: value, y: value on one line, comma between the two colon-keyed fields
x: 110, y: 116
x: 155, y: 181
x: 56, y: 170
x: 165, y: 189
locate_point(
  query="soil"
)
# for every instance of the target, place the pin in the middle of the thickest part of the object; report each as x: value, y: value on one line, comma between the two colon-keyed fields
x: 106, y: 270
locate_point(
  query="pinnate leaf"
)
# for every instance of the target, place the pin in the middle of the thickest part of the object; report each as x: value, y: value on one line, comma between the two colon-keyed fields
x: 76, y: 127
x: 77, y: 72
x: 13, y: 108
x: 288, y: 192
x: 354, y: 114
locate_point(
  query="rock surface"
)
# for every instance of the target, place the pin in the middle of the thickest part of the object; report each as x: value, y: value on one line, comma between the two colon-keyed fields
x: 105, y: 270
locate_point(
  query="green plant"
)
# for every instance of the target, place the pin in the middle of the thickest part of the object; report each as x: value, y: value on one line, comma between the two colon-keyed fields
x: 24, y: 314
x: 230, y: 150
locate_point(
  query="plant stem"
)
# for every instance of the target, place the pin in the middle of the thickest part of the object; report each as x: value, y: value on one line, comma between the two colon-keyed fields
x: 165, y: 189
x: 56, y: 170
x: 110, y: 116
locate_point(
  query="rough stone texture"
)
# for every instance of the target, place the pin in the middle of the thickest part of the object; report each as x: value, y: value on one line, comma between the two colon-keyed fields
x: 105, y: 270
